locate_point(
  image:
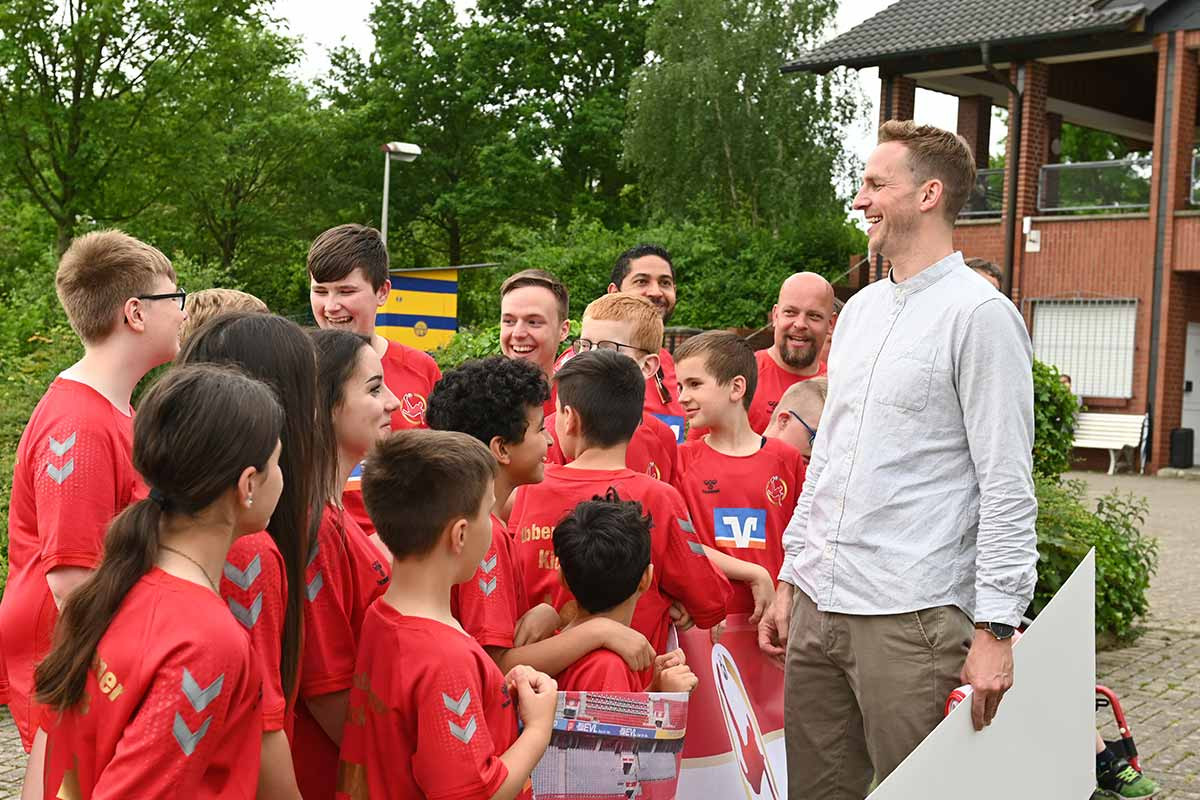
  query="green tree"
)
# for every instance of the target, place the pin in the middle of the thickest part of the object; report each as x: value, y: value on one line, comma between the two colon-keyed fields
x: 712, y: 121
x: 89, y: 89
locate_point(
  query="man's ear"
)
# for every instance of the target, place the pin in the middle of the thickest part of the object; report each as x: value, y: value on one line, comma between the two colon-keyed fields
x: 931, y: 192
x: 570, y: 420
x: 613, y: 288
x: 132, y: 311
x: 650, y: 365
x: 647, y: 577
x: 457, y: 532
x: 771, y: 314
x: 737, y: 388
x: 381, y: 294
x: 564, y: 331
x: 499, y: 450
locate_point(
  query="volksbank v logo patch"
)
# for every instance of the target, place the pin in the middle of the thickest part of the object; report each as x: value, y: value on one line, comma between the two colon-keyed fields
x: 740, y: 527
x: 676, y: 424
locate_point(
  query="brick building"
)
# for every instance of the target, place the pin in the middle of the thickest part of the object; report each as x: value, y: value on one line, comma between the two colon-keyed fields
x: 1103, y: 258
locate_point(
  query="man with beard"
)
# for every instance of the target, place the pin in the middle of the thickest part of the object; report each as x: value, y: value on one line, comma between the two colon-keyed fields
x: 802, y: 320
x: 912, y: 551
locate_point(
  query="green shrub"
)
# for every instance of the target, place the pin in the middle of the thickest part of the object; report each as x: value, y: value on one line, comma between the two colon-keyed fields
x: 479, y: 343
x: 1054, y: 409
x: 1125, y: 559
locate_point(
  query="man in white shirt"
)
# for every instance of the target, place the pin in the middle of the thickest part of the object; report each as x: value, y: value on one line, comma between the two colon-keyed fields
x: 912, y: 552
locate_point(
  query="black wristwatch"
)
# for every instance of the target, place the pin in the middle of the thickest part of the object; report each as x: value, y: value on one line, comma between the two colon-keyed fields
x: 997, y: 629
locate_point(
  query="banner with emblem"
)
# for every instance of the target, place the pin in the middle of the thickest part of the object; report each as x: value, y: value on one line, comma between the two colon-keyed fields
x: 422, y: 308
x: 735, y: 746
x: 613, y: 746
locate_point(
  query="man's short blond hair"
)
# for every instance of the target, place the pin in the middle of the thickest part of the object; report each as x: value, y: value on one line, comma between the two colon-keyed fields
x: 647, y: 325
x: 99, y: 272
x: 205, y: 304
x: 935, y: 153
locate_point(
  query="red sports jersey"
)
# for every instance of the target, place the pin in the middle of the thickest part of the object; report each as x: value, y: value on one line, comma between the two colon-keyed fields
x: 741, y: 504
x: 411, y: 375
x: 681, y: 569
x: 773, y: 381
x: 601, y: 670
x: 344, y: 576
x: 651, y: 450
x: 74, y: 473
x: 254, y: 585
x: 489, y: 605
x: 171, y: 706
x: 669, y: 412
x: 429, y: 717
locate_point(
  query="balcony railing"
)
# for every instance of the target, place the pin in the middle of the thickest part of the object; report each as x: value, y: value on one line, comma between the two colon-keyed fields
x: 1122, y: 185
x: 987, y: 195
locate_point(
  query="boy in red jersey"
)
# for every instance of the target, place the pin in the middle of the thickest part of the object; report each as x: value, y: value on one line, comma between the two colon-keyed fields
x: 603, y: 552
x: 599, y: 408
x: 499, y: 401
x: 797, y: 414
x: 74, y: 469
x: 628, y: 324
x: 740, y: 488
x: 647, y: 270
x: 533, y: 320
x: 431, y: 715
x: 348, y: 282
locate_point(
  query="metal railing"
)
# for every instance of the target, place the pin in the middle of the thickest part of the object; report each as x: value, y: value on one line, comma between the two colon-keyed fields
x: 1195, y: 195
x: 987, y: 195
x: 1122, y: 185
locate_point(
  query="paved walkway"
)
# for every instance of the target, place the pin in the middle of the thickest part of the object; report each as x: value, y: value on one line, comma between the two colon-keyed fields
x: 1158, y: 679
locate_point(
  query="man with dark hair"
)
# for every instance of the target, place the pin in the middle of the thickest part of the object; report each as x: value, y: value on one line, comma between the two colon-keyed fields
x: 348, y: 282
x: 987, y: 270
x: 931, y: 402
x: 647, y: 270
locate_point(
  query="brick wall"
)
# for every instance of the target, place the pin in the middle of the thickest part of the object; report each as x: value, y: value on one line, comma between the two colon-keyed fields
x: 981, y: 240
x: 1186, y: 238
x: 975, y: 125
x: 1033, y: 153
x: 904, y: 97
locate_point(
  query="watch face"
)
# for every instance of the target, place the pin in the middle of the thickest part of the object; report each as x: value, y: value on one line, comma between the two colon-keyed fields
x: 1000, y: 630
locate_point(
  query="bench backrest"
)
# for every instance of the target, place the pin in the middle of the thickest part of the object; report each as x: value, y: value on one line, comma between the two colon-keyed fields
x: 1108, y: 431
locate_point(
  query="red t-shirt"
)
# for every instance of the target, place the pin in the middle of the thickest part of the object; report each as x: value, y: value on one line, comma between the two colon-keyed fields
x: 773, y: 381
x: 74, y: 473
x: 741, y: 504
x: 429, y: 717
x: 601, y: 670
x: 489, y: 605
x: 172, y: 703
x: 669, y: 412
x: 411, y: 375
x: 343, y: 577
x: 254, y: 585
x: 651, y: 451
x: 681, y: 569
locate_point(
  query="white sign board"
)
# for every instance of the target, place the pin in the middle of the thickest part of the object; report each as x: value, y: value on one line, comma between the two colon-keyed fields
x: 1043, y: 741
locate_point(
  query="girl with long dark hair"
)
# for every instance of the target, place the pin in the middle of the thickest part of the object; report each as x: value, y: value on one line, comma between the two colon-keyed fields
x: 263, y: 581
x: 151, y: 685
x: 346, y: 571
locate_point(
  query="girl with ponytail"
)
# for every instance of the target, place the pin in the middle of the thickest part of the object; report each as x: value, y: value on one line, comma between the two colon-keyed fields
x: 150, y: 685
x: 346, y: 571
x: 263, y: 579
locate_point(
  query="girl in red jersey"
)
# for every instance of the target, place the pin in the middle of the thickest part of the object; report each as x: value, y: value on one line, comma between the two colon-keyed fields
x: 345, y: 571
x: 263, y: 581
x: 151, y: 688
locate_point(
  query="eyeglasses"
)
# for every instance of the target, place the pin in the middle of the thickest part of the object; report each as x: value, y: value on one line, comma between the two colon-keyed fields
x: 812, y: 432
x: 180, y: 297
x: 583, y: 345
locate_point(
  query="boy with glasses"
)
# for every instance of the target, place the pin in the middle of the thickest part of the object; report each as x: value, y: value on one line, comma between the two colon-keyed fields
x: 629, y: 325
x: 740, y: 488
x: 74, y: 469
x: 797, y: 414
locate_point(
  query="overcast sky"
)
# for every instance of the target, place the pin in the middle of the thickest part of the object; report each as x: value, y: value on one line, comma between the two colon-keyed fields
x: 322, y: 26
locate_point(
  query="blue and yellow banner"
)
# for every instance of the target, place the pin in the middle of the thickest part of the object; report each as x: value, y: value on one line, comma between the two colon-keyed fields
x: 422, y: 309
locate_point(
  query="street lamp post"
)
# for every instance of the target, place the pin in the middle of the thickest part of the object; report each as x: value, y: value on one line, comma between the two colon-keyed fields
x: 401, y: 151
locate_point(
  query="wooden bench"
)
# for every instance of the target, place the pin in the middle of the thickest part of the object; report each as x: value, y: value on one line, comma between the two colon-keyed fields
x: 1112, y: 432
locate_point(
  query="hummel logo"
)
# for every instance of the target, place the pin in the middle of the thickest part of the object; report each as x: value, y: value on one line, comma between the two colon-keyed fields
x: 696, y: 547
x: 183, y: 734
x: 489, y: 564
x: 200, y: 698
x: 458, y: 706
x: 244, y: 578
x: 710, y: 487
x: 487, y: 587
x: 463, y: 734
x: 60, y: 449
x: 247, y: 616
x: 314, y: 587
x: 60, y: 475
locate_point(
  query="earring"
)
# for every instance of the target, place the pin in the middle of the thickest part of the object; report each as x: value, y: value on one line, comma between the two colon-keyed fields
x: 249, y: 501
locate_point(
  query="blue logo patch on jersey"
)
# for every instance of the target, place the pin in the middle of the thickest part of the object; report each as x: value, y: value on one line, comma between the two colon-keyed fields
x: 355, y: 481
x: 675, y: 424
x: 740, y: 527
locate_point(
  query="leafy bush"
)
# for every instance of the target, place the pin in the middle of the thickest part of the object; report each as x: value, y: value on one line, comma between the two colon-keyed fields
x: 1054, y: 409
x: 1125, y: 559
x: 479, y: 343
